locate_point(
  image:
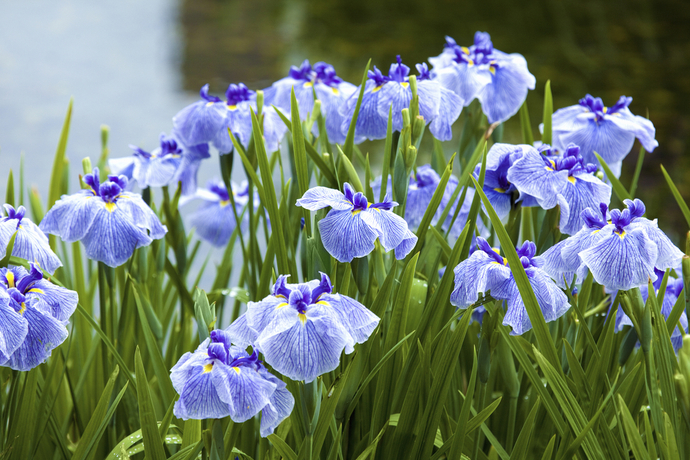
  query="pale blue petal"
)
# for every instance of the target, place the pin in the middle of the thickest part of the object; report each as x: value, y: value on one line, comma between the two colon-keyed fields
x: 186, y: 364
x: 199, y: 399
x: 503, y: 97
x: 395, y: 95
x: 241, y: 333
x: 13, y: 329
x: 260, y: 314
x: 642, y: 128
x: 71, y: 217
x: 477, y: 274
x: 30, y: 244
x: 621, y: 263
x: 370, y: 124
x: 243, y: 388
x: 449, y: 110
x: 200, y: 122
x: 332, y: 99
x: 407, y: 244
x: 161, y: 171
x: 279, y: 407
x: 465, y: 81
x: 321, y: 197
x: 668, y: 256
x: 429, y: 95
x: 346, y: 235
x: 140, y: 214
x: 274, y: 129
x: 44, y: 334
x: 357, y: 319
x: 391, y: 228
x: 215, y: 222
x: 59, y: 301
x: 122, y: 166
x: 531, y: 176
x: 553, y: 263
x: 581, y: 192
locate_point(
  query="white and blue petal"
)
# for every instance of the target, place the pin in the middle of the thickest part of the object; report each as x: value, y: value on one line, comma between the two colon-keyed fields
x: 392, y: 230
x: 321, y: 197
x: 71, y: 216
x: 357, y: 319
x: 30, y: 244
x: 200, y: 122
x: 583, y: 191
x: 463, y: 80
x: 477, y: 274
x: 370, y: 125
x: 56, y: 300
x: 43, y: 335
x: 279, y: 406
x: 397, y: 96
x: 640, y: 127
x: 13, y: 329
x: 243, y: 389
x: 503, y: 97
x: 449, y: 109
x: 346, y: 235
x: 199, y: 398
x: 532, y: 177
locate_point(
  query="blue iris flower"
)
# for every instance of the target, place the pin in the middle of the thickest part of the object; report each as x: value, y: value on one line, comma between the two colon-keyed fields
x: 437, y: 105
x: 109, y: 221
x: 353, y: 224
x: 486, y: 271
x: 500, y: 81
x: 674, y: 287
x: 419, y: 193
x: 498, y: 189
x: 150, y: 169
x: 30, y: 243
x: 306, y: 80
x: 564, y: 180
x: 200, y: 122
x: 620, y: 248
x: 220, y: 379
x: 302, y: 329
x: 609, y: 131
x: 186, y: 173
x: 214, y: 219
x: 34, y: 317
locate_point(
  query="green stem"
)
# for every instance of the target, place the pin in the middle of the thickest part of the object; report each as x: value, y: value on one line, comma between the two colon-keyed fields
x: 480, y: 406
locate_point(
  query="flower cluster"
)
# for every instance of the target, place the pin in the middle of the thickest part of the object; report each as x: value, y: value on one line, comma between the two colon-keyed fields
x: 608, y: 131
x: 488, y: 272
x: 220, y: 380
x: 302, y: 329
x: 500, y: 81
x: 353, y: 224
x: 34, y: 314
x: 110, y: 221
x: 620, y: 248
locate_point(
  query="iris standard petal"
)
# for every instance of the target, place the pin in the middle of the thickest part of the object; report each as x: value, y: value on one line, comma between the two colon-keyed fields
x: 321, y: 197
x: 621, y: 262
x: 346, y: 235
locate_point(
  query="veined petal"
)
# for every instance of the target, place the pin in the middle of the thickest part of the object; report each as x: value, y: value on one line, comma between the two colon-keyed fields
x: 668, y: 256
x: 357, y: 319
x: 122, y: 166
x: 44, y: 333
x: 429, y: 93
x: 243, y: 388
x: 581, y: 192
x: 478, y: 273
x: 449, y: 110
x: 621, y: 263
x: 332, y: 98
x: 13, y: 329
x: 397, y: 96
x: 71, y: 217
x: 463, y: 80
x: 306, y: 350
x: 642, y: 128
x: 241, y: 333
x: 200, y: 122
x: 391, y: 228
x: 215, y: 222
x: 531, y: 176
x: 140, y: 214
x: 321, y: 197
x: 161, y: 171
x: 346, y: 235
x: 407, y: 244
x: 279, y: 406
x: 370, y: 125
x: 59, y: 301
x: 199, y: 398
x: 502, y: 98
x: 30, y: 244
x: 259, y: 314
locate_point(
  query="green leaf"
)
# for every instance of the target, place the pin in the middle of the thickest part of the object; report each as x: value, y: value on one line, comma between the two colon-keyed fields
x: 520, y: 450
x: 461, y: 429
x: 9, y: 195
x: 631, y: 431
x: 5, y: 261
x: 351, y: 172
x: 147, y: 415
x: 526, y: 125
x: 300, y: 155
x: 676, y: 194
x: 282, y: 447
x: 546, y: 136
x: 349, y: 144
x: 638, y: 171
x: 56, y: 176
x: 616, y: 184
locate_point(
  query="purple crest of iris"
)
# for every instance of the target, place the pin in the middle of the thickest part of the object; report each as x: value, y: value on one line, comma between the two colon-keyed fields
x: 437, y: 105
x: 500, y: 81
x: 220, y: 379
x: 620, y: 248
x: 609, y: 131
x: 302, y: 329
x: 214, y: 218
x: 486, y: 271
x: 306, y: 80
x: 352, y: 226
x: 674, y: 287
x: 35, y: 313
x: 30, y: 243
x: 563, y: 180
x: 108, y: 220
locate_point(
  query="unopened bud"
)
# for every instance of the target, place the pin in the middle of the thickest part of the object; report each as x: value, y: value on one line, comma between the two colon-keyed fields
x: 418, y: 127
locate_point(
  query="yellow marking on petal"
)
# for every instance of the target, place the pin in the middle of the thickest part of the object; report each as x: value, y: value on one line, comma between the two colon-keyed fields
x: 281, y: 296
x: 224, y: 203
x: 355, y: 212
x: 110, y: 207
x: 620, y: 234
x: 497, y: 251
x: 404, y: 84
x: 302, y: 318
x: 323, y: 302
x: 308, y: 84
x: 36, y: 290
x: 499, y: 190
x: 23, y: 309
x: 236, y: 369
x: 20, y: 226
x: 470, y: 62
x: 208, y: 368
x: 232, y: 107
x: 335, y: 91
x: 571, y: 179
x: 377, y: 88
x: 10, y: 278
x: 547, y: 168
x: 281, y: 305
x: 465, y: 49
x: 605, y: 109
x: 505, y: 261
x: 208, y: 104
x: 492, y: 69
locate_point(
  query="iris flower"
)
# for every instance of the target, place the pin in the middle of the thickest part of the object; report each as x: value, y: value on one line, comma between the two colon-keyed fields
x: 564, y: 180
x: 220, y: 380
x: 486, y: 271
x: 609, y: 131
x: 437, y: 105
x: 30, y: 243
x: 306, y: 80
x: 498, y: 189
x: 674, y: 287
x: 353, y: 224
x: 214, y: 219
x: 620, y: 248
x: 500, y: 81
x: 154, y: 169
x: 302, y: 329
x: 208, y: 120
x: 35, y: 314
x: 109, y: 221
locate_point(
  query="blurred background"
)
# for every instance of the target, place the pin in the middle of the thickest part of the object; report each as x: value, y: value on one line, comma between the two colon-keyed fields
x: 132, y: 65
